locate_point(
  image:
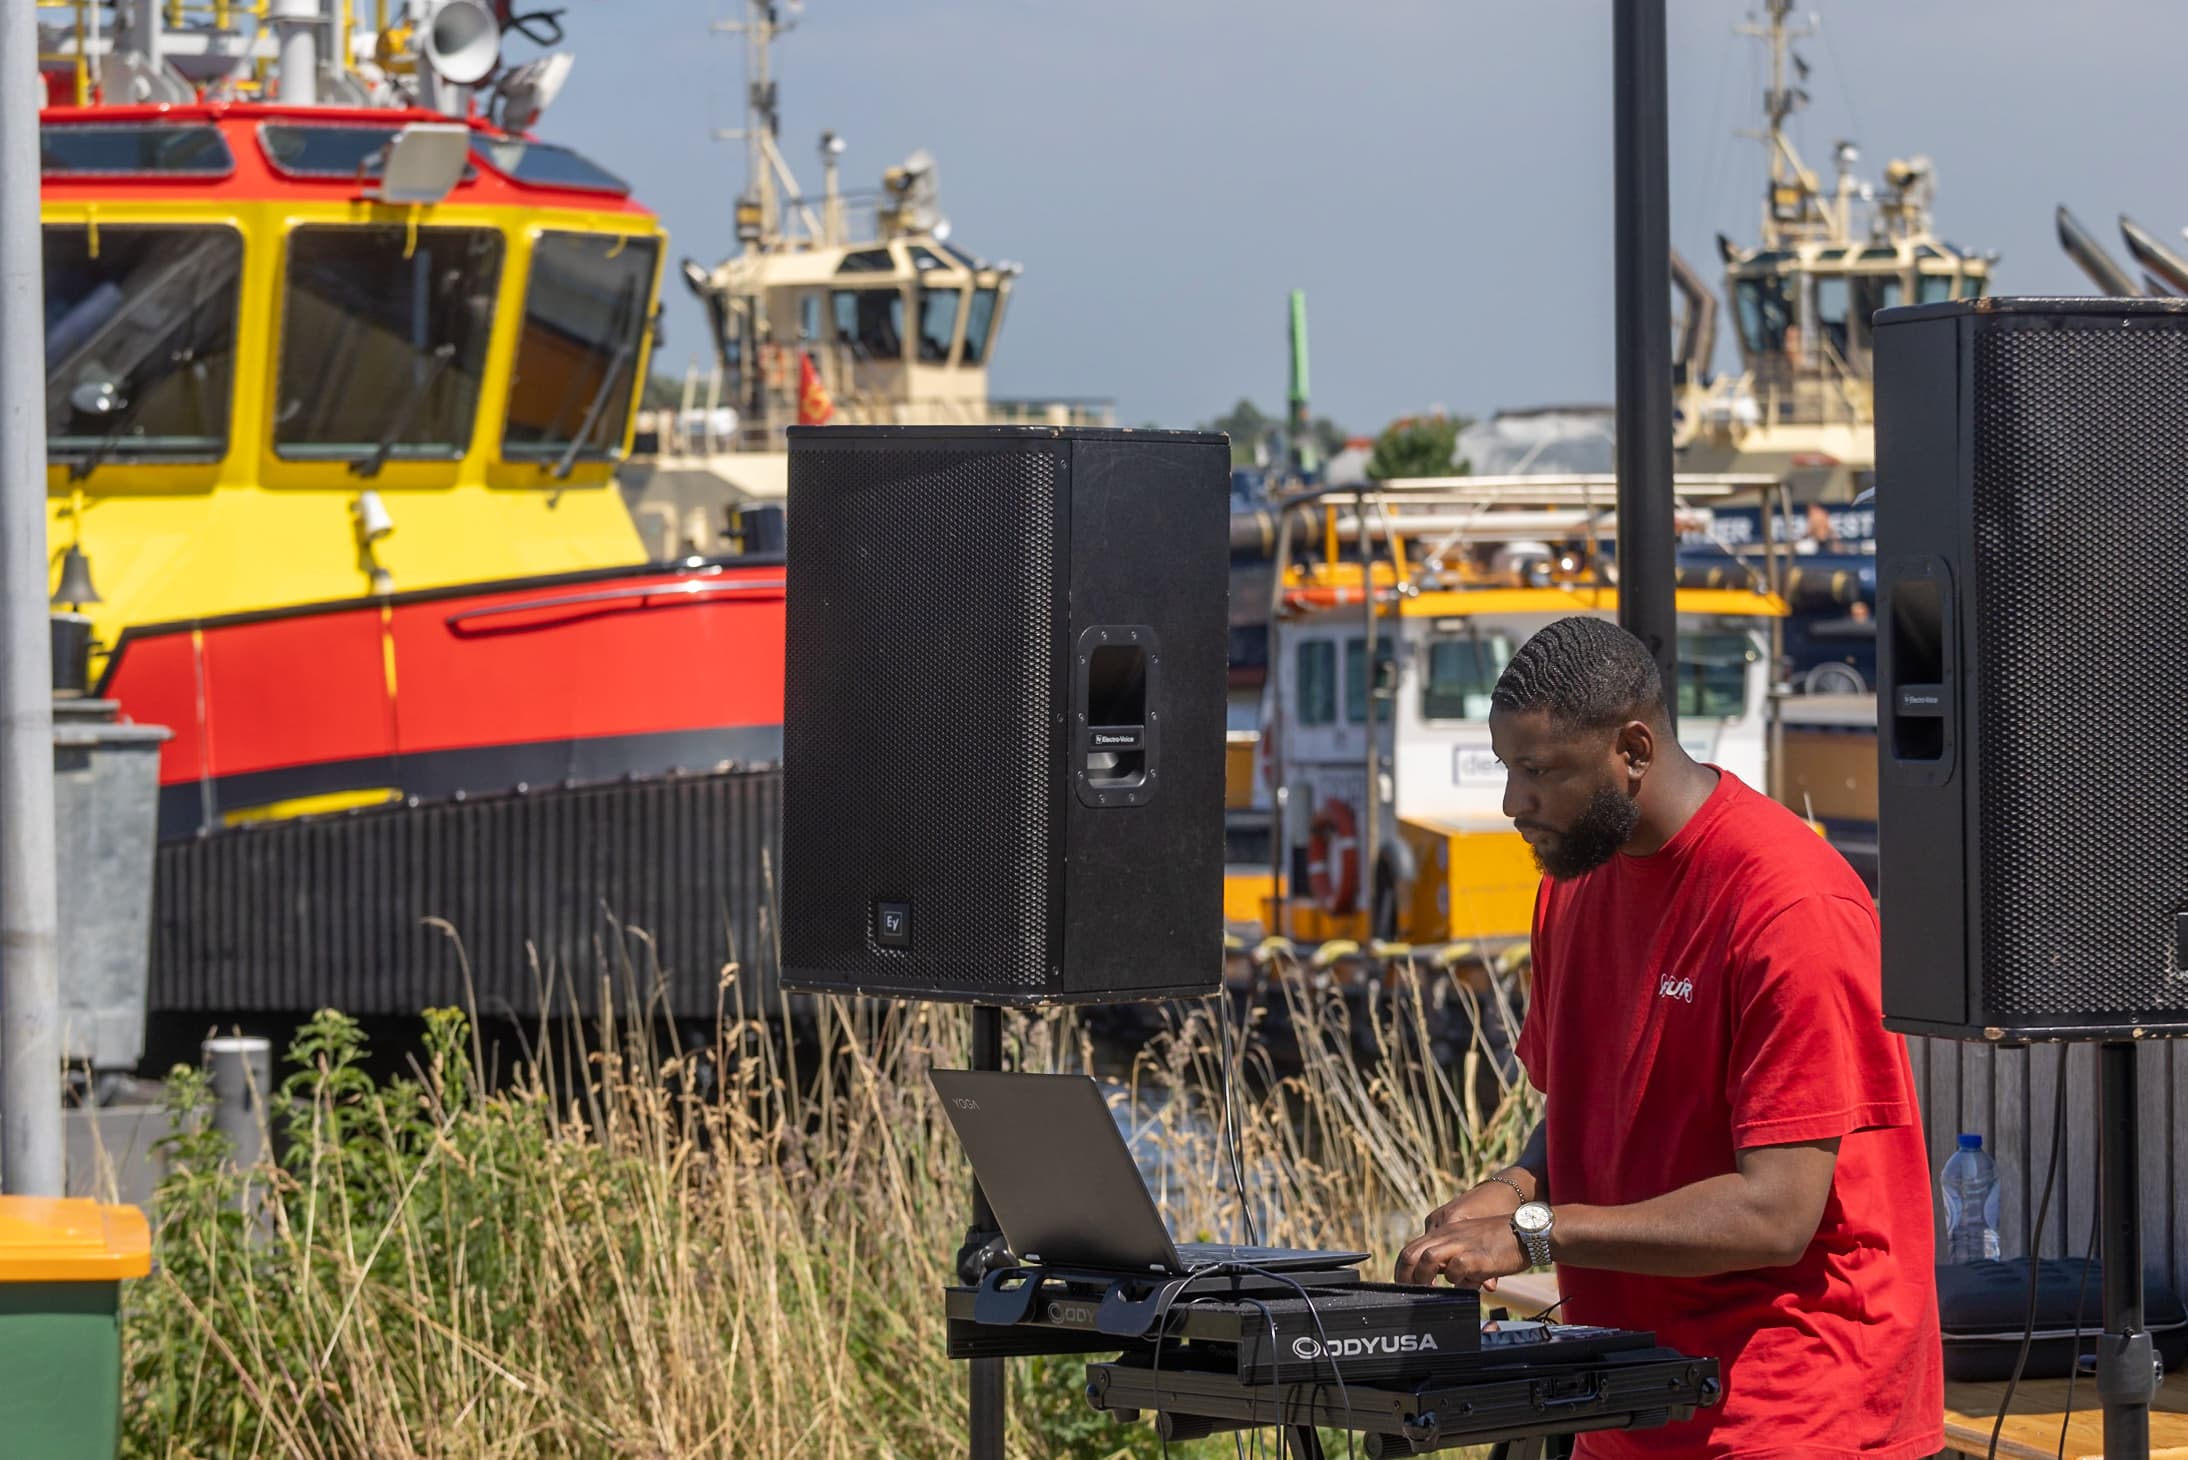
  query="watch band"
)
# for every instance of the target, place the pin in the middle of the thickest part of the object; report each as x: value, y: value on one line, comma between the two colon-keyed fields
x: 1508, y: 1181
x: 1536, y: 1245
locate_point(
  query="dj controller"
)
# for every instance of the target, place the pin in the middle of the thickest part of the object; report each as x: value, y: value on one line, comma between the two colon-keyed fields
x: 1413, y: 1369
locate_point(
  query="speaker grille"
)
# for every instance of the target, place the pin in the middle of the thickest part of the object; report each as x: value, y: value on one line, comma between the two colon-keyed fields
x: 960, y: 662
x: 2082, y: 636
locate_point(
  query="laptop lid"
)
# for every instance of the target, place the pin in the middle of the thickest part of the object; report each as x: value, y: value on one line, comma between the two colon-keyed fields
x: 1056, y: 1170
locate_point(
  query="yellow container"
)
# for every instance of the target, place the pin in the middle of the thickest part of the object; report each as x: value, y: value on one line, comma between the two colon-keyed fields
x: 47, y: 1239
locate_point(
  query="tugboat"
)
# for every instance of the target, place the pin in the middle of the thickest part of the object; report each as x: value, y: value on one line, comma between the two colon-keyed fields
x: 341, y: 360
x: 1803, y: 405
x: 816, y: 324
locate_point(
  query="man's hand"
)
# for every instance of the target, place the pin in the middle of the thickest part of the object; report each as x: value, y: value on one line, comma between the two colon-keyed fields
x: 1473, y: 1251
x: 1490, y: 1199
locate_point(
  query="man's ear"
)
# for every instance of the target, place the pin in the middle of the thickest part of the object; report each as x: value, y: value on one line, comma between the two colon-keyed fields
x: 1636, y: 746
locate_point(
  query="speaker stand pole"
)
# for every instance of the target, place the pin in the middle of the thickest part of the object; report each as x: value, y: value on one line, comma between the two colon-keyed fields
x: 2126, y: 1378
x: 981, y: 1240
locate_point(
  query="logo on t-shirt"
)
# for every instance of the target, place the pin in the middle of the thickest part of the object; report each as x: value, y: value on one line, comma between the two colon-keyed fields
x: 1682, y: 989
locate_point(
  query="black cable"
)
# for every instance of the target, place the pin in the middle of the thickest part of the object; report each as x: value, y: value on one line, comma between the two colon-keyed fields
x: 1230, y: 1120
x: 1321, y: 1336
x: 1549, y: 1310
x: 2074, y: 1366
x: 2035, y: 1262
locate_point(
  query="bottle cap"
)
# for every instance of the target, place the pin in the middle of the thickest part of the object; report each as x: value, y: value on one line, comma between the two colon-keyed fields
x: 1970, y: 1143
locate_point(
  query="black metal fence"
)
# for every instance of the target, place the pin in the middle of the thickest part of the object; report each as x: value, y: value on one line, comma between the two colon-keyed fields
x: 543, y: 895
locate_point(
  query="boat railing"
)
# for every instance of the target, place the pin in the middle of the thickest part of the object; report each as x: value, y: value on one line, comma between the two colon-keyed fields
x: 190, y: 28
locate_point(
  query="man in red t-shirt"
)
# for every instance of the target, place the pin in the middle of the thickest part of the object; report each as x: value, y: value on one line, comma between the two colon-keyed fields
x: 1730, y: 1153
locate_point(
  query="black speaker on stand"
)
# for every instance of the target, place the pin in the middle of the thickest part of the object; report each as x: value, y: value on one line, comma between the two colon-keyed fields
x: 1003, y: 716
x: 2032, y: 541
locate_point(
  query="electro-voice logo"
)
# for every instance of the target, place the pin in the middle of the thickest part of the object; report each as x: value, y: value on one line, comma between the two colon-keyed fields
x: 1080, y: 1314
x: 1103, y: 737
x: 1353, y: 1348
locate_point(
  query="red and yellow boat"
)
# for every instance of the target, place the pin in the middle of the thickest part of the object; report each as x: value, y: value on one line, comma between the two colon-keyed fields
x: 341, y: 362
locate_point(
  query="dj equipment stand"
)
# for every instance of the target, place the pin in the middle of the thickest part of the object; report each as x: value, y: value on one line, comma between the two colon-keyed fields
x: 984, y: 1248
x: 2126, y: 1363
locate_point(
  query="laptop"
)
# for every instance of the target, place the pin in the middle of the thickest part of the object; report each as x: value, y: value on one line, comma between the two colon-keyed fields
x: 1064, y: 1187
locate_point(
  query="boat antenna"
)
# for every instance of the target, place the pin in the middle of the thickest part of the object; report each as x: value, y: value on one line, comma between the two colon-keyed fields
x: 1791, y: 205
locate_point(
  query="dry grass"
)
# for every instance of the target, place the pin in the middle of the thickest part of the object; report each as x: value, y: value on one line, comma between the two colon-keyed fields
x: 629, y: 1251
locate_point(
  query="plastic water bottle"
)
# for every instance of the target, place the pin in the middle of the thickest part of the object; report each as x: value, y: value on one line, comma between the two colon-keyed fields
x: 1970, y: 1185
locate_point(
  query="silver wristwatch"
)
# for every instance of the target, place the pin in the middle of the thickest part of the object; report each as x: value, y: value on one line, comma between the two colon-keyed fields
x: 1531, y: 1224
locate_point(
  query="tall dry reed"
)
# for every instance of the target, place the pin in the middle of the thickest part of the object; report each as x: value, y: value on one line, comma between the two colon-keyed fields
x: 625, y: 1250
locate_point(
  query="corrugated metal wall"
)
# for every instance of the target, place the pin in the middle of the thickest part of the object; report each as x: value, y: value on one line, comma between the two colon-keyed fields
x: 2008, y: 1096
x: 671, y: 873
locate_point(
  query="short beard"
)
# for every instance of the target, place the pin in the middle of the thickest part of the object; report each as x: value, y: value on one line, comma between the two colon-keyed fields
x: 1606, y: 825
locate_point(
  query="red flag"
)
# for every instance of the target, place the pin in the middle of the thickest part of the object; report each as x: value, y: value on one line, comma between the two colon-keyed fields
x: 815, y: 408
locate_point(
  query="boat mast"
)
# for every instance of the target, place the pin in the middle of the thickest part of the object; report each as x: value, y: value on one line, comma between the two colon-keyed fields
x: 1793, y: 207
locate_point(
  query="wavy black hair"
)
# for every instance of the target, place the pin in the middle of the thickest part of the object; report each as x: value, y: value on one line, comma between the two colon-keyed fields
x: 1587, y: 673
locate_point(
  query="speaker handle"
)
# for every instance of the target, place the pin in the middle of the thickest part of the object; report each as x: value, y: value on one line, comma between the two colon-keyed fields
x: 1918, y: 715
x: 1116, y: 715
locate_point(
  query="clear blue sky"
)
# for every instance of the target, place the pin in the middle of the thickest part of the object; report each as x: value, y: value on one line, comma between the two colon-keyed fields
x: 1434, y: 173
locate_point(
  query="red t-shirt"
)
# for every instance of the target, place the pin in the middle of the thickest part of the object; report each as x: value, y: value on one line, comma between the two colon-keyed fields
x: 1720, y: 994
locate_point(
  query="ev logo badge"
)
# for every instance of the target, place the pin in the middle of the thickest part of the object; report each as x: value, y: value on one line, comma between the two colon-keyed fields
x: 892, y: 922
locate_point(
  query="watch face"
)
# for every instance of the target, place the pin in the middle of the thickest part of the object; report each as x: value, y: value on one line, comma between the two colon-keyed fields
x: 1532, y: 1217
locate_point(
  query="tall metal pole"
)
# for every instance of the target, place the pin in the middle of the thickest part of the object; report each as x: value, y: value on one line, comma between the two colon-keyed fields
x: 30, y: 994
x: 2126, y: 1379
x: 1647, y: 554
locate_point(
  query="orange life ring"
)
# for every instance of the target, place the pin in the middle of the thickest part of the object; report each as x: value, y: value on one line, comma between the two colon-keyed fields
x: 1333, y: 857
x: 775, y: 365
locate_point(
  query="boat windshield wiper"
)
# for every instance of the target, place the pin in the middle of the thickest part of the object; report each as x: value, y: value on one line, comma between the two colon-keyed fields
x: 623, y: 357
x: 369, y: 465
x: 84, y: 465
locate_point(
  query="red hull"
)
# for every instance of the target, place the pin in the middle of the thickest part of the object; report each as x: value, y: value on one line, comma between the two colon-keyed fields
x: 476, y: 689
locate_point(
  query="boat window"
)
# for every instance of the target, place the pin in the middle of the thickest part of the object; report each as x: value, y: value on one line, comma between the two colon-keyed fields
x: 925, y: 258
x: 979, y: 321
x: 1248, y: 841
x: 1971, y: 286
x: 383, y: 339
x: 1462, y: 670
x: 1933, y: 288
x: 542, y: 165
x: 330, y: 151
x: 1316, y: 690
x: 1356, y: 679
x: 866, y: 261
x: 809, y: 316
x: 938, y: 323
x: 870, y: 322
x: 1712, y: 674
x: 1879, y: 251
x: 1831, y: 303
x: 577, y: 359
x: 140, y: 341
x: 1766, y: 311
x: 1873, y: 292
x: 134, y: 151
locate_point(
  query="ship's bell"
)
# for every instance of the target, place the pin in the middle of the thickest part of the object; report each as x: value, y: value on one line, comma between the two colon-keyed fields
x: 75, y: 586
